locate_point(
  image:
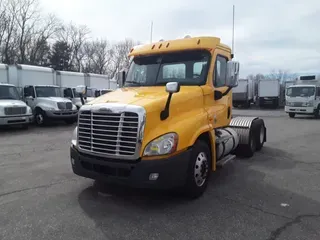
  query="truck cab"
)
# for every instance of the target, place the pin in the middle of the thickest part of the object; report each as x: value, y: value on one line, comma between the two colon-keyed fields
x: 100, y: 92
x: 47, y: 104
x: 13, y: 111
x: 71, y: 94
x: 304, y: 96
x: 170, y: 123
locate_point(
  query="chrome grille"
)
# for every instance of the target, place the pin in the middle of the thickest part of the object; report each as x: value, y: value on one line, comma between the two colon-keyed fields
x: 64, y: 105
x: 68, y: 105
x: 61, y: 105
x: 15, y: 110
x: 108, y: 133
x: 297, y: 104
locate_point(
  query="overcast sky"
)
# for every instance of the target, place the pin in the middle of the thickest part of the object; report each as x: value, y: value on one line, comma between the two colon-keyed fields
x: 269, y: 34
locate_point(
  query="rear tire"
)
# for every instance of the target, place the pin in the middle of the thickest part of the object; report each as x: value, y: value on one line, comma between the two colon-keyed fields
x: 291, y: 115
x: 256, y: 140
x: 199, y: 170
x: 260, y: 133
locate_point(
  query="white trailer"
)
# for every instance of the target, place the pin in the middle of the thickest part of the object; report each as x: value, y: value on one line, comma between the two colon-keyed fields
x: 269, y: 92
x: 304, y: 96
x: 42, y: 94
x: 13, y: 111
x: 243, y: 94
x: 68, y: 81
x: 98, y: 83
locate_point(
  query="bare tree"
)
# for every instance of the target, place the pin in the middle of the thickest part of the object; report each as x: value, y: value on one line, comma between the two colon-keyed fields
x: 39, y: 47
x: 27, y: 17
x: 120, y: 56
x: 76, y: 36
x: 99, y: 55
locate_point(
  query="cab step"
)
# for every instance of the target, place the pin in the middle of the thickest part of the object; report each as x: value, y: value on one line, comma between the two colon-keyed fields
x: 225, y: 160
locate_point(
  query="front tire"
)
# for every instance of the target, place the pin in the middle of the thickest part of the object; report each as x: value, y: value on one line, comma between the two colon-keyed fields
x: 199, y: 170
x: 317, y: 112
x: 40, y: 117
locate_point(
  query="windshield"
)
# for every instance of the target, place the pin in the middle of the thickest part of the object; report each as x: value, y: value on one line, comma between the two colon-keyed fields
x: 300, y: 91
x: 187, y: 68
x: 9, y: 92
x: 90, y: 92
x: 75, y: 94
x: 47, y: 91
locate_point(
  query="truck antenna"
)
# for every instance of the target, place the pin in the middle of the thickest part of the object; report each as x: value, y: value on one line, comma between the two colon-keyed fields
x: 232, y: 50
x: 151, y: 31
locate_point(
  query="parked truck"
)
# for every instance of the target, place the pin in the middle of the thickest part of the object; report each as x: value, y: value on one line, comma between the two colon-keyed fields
x: 42, y: 94
x: 243, y: 94
x: 13, y: 111
x: 68, y: 81
x: 166, y: 126
x: 269, y: 92
x: 304, y: 96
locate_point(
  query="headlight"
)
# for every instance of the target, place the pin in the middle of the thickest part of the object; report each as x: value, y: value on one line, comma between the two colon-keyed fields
x: 162, y: 145
x: 74, y: 137
x: 48, y: 108
x: 310, y: 103
x: 289, y: 103
x: 74, y: 107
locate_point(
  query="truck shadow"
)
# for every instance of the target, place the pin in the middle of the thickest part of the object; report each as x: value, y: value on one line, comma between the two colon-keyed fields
x: 16, y: 130
x: 235, y: 192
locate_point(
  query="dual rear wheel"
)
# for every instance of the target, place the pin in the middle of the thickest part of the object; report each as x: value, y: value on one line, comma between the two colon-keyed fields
x: 200, y: 164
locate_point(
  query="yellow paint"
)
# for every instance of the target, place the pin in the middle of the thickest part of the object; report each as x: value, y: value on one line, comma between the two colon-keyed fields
x: 193, y: 110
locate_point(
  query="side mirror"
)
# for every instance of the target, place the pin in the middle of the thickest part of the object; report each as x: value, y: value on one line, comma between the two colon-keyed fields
x: 217, y: 95
x: 121, y: 76
x: 233, y: 68
x: 172, y: 87
x: 81, y: 89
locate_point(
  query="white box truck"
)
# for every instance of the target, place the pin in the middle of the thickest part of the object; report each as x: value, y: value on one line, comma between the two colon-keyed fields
x: 269, y: 92
x: 68, y: 81
x: 100, y: 84
x: 243, y: 94
x: 13, y: 111
x: 304, y: 96
x: 42, y: 94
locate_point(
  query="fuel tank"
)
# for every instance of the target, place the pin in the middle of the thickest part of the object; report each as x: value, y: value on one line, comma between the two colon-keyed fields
x: 227, y: 140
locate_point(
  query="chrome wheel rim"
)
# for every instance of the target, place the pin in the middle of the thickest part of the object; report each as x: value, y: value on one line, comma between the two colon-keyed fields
x: 201, y: 169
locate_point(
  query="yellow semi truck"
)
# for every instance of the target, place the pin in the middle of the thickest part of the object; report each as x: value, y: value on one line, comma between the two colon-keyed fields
x: 170, y: 123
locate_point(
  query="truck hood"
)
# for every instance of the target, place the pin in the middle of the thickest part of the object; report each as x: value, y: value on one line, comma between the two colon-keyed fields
x: 54, y: 99
x: 11, y: 102
x: 189, y: 102
x: 151, y: 98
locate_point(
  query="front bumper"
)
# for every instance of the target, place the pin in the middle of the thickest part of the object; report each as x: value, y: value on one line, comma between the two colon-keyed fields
x: 16, y: 120
x: 172, y: 171
x: 299, y: 110
x: 63, y: 114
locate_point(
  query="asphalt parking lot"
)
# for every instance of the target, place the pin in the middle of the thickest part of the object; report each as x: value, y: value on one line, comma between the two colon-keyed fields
x: 274, y: 195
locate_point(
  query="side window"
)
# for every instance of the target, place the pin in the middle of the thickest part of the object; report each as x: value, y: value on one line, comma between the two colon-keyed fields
x: 174, y: 71
x: 289, y: 92
x: 67, y: 93
x: 198, y: 67
x: 318, y: 91
x: 29, y: 91
x: 220, y: 72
